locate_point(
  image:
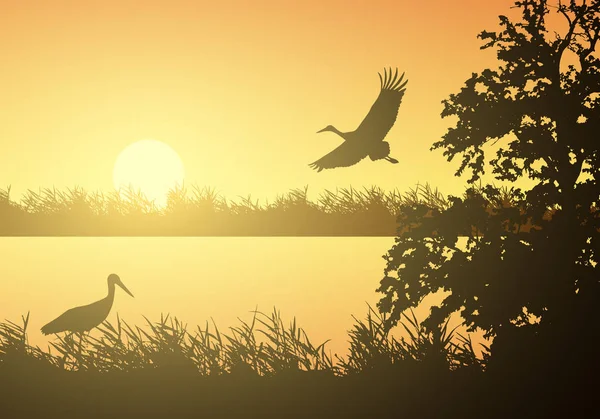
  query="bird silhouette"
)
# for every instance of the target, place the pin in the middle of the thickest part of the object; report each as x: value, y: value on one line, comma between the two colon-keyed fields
x: 367, y: 139
x: 84, y: 318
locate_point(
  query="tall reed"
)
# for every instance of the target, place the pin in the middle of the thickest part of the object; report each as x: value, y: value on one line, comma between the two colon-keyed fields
x: 265, y: 346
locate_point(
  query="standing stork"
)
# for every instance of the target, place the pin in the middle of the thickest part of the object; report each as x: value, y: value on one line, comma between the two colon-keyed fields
x: 85, y: 318
x: 367, y: 139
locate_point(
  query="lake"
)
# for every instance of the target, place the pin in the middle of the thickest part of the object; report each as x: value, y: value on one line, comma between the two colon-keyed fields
x: 322, y: 281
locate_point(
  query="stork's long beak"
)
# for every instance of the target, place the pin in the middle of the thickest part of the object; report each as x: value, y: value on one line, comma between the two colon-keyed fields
x: 124, y: 288
x: 324, y: 129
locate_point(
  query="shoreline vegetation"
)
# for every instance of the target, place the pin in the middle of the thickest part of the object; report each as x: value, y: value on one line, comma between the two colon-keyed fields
x: 266, y: 368
x: 264, y: 346
x: 202, y: 212
x: 262, y: 368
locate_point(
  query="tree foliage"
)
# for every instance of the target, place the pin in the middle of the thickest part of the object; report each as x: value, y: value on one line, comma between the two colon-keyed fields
x: 540, y: 109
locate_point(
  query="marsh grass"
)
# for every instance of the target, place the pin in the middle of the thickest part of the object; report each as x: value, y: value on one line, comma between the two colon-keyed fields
x: 261, y: 368
x: 373, y: 346
x: 202, y: 211
x: 265, y: 346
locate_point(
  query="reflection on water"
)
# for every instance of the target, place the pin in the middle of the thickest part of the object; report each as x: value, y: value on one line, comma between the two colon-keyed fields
x: 321, y: 281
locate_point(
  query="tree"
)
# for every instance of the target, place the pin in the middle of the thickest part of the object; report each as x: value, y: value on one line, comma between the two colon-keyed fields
x: 541, y: 109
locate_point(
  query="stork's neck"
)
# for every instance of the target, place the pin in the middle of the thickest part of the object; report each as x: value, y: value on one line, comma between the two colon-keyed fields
x: 111, y: 291
x: 338, y: 132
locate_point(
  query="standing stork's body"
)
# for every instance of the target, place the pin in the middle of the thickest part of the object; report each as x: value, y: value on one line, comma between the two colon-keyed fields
x: 367, y: 139
x: 85, y: 318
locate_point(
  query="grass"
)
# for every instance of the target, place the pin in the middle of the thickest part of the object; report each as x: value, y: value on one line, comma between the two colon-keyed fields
x: 199, y: 211
x: 269, y: 368
x: 265, y: 346
x: 262, y: 368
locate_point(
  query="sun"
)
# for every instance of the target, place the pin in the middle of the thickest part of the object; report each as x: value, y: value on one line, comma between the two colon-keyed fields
x: 151, y: 167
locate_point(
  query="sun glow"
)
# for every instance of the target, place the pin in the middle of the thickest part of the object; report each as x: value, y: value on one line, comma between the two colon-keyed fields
x: 151, y: 167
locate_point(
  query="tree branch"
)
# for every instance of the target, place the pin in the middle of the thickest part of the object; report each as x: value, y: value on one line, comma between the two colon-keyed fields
x: 572, y: 25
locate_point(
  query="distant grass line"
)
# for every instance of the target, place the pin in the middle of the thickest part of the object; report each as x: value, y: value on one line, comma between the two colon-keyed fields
x: 199, y: 211
x: 265, y: 346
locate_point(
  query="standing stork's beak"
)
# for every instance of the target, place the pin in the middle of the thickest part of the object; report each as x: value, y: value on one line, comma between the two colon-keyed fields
x: 124, y: 288
x: 324, y: 129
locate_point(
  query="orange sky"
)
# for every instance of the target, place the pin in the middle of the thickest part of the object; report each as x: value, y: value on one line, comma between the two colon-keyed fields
x: 237, y: 88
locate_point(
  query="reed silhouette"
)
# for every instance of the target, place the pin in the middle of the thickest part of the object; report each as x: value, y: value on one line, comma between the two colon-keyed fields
x: 85, y: 318
x: 199, y: 211
x: 367, y: 139
x: 260, y: 368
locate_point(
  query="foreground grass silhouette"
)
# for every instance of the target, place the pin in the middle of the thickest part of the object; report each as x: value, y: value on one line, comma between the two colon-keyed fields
x: 260, y: 369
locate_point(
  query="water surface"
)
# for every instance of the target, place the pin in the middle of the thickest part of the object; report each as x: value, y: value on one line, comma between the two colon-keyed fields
x: 321, y: 281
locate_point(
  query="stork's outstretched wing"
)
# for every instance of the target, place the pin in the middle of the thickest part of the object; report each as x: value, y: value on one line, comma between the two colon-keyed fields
x: 347, y: 154
x: 384, y: 111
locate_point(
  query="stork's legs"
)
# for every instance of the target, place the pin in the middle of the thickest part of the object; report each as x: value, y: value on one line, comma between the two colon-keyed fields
x: 79, y: 335
x: 391, y: 159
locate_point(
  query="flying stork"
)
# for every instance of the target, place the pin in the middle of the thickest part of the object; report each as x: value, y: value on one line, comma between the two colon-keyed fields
x: 367, y: 139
